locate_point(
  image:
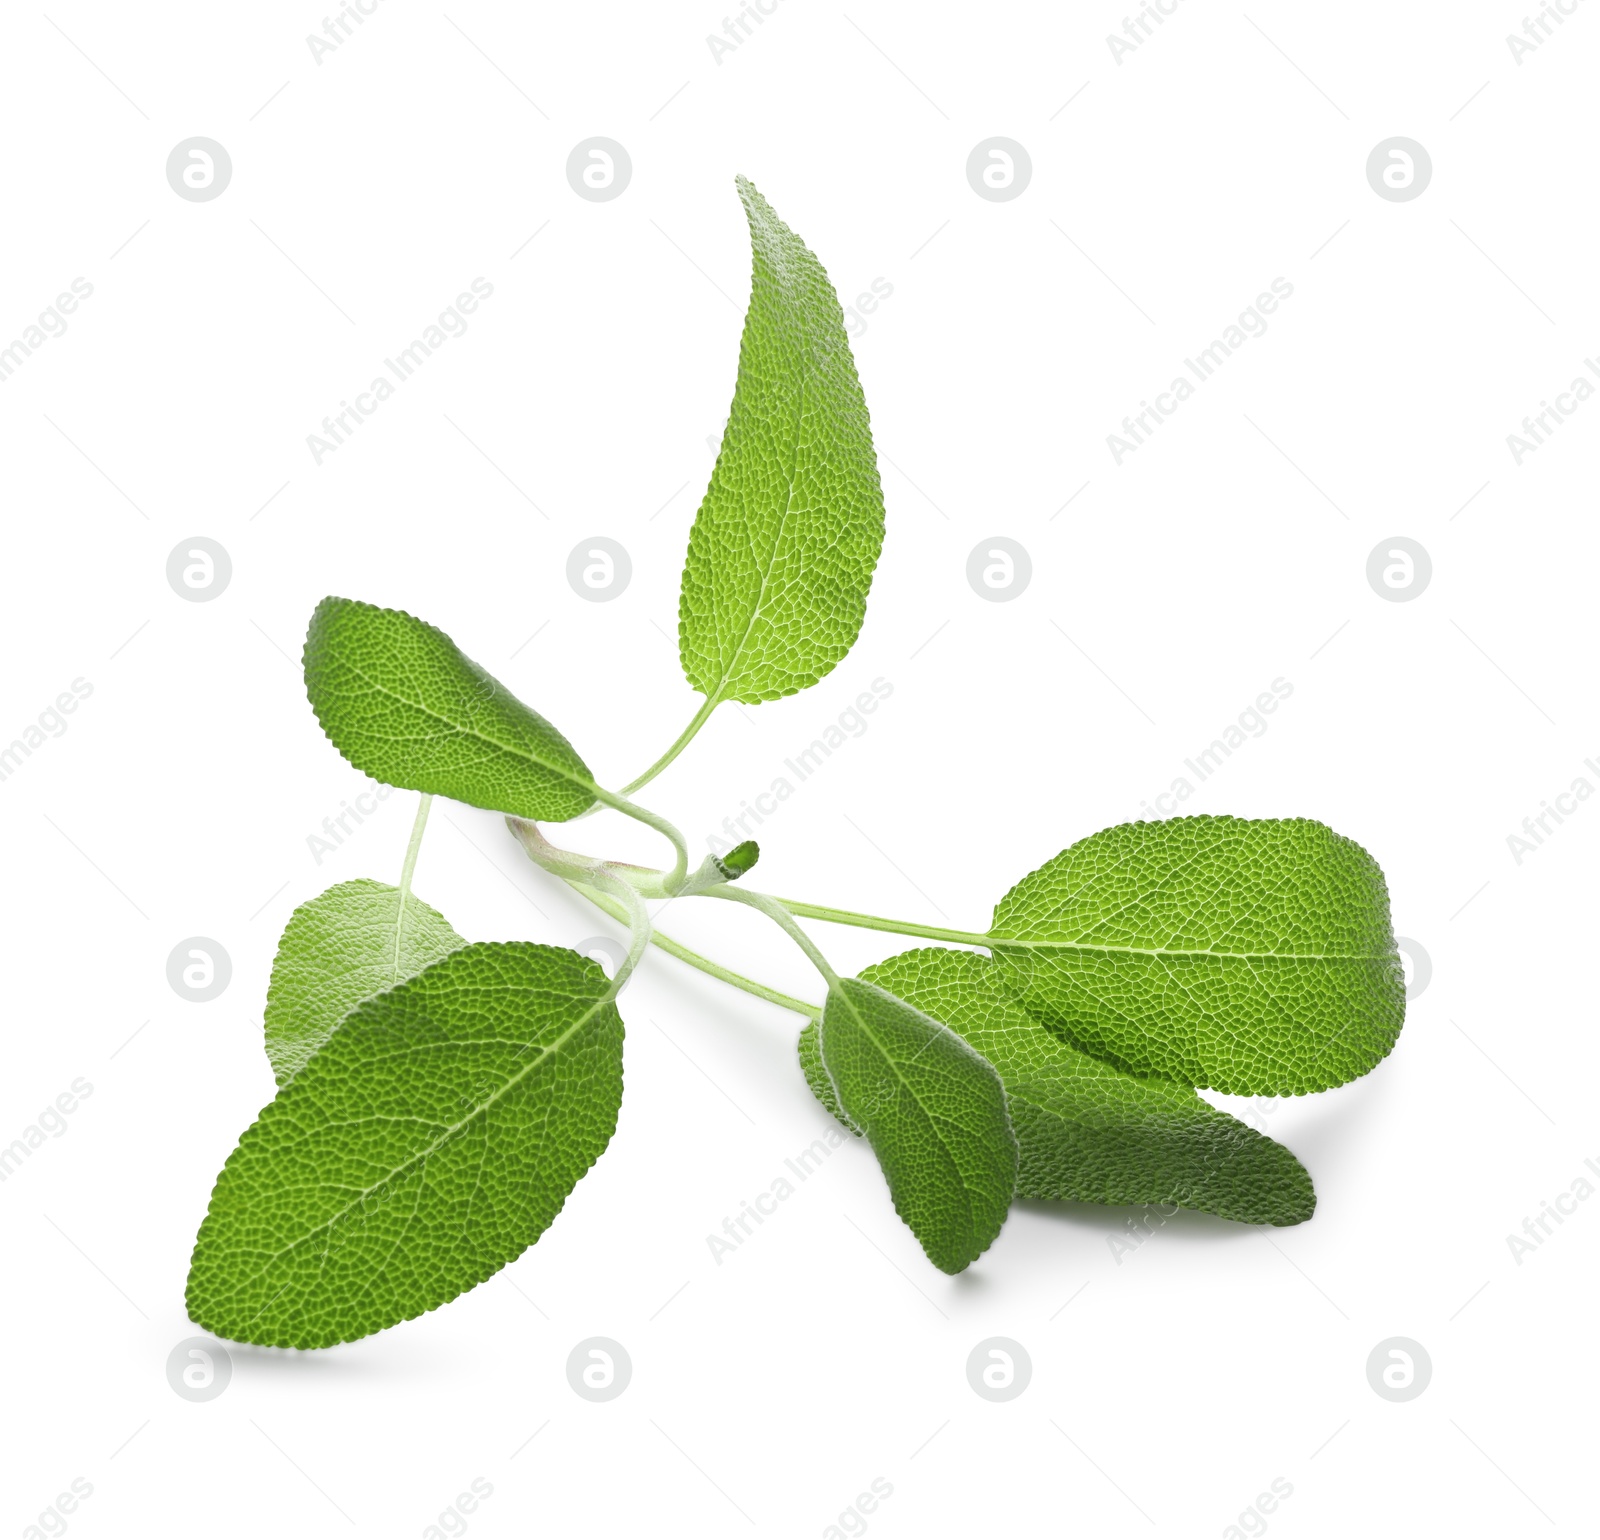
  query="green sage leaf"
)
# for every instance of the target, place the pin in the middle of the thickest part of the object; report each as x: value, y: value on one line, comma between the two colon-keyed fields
x: 404, y: 704
x: 1085, y: 1130
x: 432, y: 1140
x: 783, y: 548
x: 344, y: 946
x: 934, y: 1112
x: 1248, y: 956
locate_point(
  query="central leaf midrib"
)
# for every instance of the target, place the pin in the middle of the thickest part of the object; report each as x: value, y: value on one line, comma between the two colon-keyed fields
x: 1173, y: 951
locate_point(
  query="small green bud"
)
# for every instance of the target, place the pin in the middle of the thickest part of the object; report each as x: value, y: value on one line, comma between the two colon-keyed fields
x: 739, y: 860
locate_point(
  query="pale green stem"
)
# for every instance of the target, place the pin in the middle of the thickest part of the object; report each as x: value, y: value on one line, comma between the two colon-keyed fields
x: 894, y: 927
x: 420, y: 823
x: 406, y: 871
x: 639, y: 929
x: 675, y: 948
x: 584, y: 873
x: 684, y: 739
x: 674, y: 879
x: 572, y: 867
x: 780, y: 916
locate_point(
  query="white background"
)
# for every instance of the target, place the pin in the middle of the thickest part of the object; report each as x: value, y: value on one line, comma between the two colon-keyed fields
x: 1167, y: 592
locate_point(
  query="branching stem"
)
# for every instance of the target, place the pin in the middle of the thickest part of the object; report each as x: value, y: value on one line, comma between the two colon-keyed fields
x: 675, y: 948
x: 631, y: 884
x: 674, y: 879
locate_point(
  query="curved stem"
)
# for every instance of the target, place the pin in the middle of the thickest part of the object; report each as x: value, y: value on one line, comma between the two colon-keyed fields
x: 572, y: 867
x: 406, y: 871
x: 875, y: 922
x: 639, y: 928
x: 675, y: 948
x: 674, y: 879
x: 683, y: 740
x: 780, y: 916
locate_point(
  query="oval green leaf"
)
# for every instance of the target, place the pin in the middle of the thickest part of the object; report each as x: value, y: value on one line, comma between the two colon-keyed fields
x: 1248, y: 956
x: 404, y: 704
x: 431, y: 1141
x: 934, y: 1112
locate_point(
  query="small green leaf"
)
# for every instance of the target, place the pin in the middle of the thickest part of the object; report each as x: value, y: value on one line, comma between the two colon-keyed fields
x: 782, y: 551
x: 345, y: 945
x: 1250, y: 956
x: 404, y: 704
x: 430, y: 1142
x: 934, y: 1112
x: 1086, y: 1131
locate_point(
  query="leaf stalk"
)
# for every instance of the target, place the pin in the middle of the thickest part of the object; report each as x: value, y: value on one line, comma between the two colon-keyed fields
x: 680, y: 743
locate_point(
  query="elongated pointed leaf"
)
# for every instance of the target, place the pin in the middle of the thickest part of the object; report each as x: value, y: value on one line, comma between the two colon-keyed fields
x: 344, y: 946
x: 934, y: 1112
x: 1085, y: 1130
x: 782, y: 551
x: 404, y: 704
x: 1253, y: 957
x: 430, y: 1142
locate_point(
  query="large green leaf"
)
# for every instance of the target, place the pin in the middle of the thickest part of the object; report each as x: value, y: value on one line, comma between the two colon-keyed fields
x: 430, y: 1142
x: 404, y: 704
x: 341, y: 948
x: 934, y: 1112
x: 1253, y: 957
x: 1085, y: 1130
x: 782, y: 551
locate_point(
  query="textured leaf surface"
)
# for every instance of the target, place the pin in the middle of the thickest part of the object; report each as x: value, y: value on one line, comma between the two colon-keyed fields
x: 1086, y: 1131
x: 934, y: 1112
x: 344, y: 946
x: 430, y: 1142
x: 1253, y: 957
x: 783, y: 548
x: 809, y: 1048
x: 404, y: 704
